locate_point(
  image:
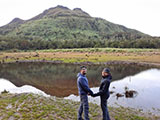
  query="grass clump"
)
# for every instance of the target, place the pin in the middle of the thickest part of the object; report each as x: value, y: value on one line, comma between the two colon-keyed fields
x: 31, y: 106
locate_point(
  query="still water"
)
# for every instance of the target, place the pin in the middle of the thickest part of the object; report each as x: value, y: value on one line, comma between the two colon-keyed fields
x: 60, y: 80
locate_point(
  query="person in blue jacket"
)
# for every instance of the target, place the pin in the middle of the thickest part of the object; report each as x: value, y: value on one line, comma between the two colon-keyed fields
x: 84, y: 91
x: 104, y: 92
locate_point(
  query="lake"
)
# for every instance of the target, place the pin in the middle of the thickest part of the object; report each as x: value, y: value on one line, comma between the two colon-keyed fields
x: 60, y: 80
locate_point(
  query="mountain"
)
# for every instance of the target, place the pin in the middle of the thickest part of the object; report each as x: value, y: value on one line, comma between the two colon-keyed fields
x: 16, y: 22
x: 61, y: 27
x: 62, y: 23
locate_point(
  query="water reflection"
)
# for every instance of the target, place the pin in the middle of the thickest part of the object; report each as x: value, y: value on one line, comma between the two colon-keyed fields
x: 60, y: 79
x: 7, y: 86
x: 147, y: 83
x: 127, y: 93
x: 135, y: 86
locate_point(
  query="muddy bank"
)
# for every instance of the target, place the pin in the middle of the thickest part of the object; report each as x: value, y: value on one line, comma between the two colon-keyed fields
x: 156, y: 65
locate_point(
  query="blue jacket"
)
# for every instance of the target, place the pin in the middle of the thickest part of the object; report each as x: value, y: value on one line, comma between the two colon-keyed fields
x: 104, y: 87
x: 82, y: 83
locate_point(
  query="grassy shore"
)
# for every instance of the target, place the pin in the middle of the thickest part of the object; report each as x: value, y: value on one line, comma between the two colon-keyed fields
x: 92, y: 55
x: 35, y: 107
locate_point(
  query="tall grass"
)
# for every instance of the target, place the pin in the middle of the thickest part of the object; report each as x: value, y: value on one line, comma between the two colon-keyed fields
x: 106, y: 50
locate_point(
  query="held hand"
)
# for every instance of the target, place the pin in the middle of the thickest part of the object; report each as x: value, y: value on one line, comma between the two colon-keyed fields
x: 94, y: 95
x: 90, y: 94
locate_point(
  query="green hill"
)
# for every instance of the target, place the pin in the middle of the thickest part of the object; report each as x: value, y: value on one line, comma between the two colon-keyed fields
x: 59, y: 27
x: 62, y: 23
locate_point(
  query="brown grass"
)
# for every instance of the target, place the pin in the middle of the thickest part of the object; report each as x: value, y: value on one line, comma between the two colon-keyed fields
x: 73, y: 57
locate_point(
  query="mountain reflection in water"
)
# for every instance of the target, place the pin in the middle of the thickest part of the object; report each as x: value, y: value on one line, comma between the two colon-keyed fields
x: 60, y: 79
x: 131, y: 86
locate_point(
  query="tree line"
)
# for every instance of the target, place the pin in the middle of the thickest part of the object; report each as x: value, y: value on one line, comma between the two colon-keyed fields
x: 37, y: 43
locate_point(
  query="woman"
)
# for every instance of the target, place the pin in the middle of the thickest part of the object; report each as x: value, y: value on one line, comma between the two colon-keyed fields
x: 104, y: 92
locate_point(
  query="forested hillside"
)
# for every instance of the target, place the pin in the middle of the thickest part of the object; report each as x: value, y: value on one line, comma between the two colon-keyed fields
x: 60, y: 27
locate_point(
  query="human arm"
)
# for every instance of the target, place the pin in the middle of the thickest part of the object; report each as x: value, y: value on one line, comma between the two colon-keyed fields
x: 103, y: 89
x: 84, y: 84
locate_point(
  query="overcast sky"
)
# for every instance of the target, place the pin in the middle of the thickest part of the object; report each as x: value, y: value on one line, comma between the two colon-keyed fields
x: 142, y: 15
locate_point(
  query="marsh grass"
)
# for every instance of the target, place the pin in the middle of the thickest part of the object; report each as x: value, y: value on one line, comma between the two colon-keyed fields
x: 132, y: 50
x: 31, y: 106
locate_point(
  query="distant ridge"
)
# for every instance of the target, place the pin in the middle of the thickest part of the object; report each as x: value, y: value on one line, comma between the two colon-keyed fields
x: 74, y: 21
x: 17, y: 20
x: 61, y: 27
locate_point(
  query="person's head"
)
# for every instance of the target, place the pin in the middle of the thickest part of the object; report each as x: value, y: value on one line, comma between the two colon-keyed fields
x: 83, y: 70
x: 105, y: 72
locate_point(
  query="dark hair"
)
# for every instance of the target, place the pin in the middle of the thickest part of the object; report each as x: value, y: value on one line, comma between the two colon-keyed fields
x: 83, y: 67
x: 107, y: 70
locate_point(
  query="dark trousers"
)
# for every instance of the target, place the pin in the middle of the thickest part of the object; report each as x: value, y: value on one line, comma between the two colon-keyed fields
x: 104, y: 108
x: 83, y: 107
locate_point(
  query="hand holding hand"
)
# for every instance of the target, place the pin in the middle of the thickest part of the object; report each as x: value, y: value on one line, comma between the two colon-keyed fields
x: 90, y: 94
x: 94, y: 95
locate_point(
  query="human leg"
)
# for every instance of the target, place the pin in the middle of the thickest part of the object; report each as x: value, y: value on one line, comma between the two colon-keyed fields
x: 85, y: 107
x: 104, y: 109
x: 80, y: 110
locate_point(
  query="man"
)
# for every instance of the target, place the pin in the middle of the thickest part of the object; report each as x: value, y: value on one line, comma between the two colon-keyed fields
x: 84, y: 90
x: 104, y: 92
